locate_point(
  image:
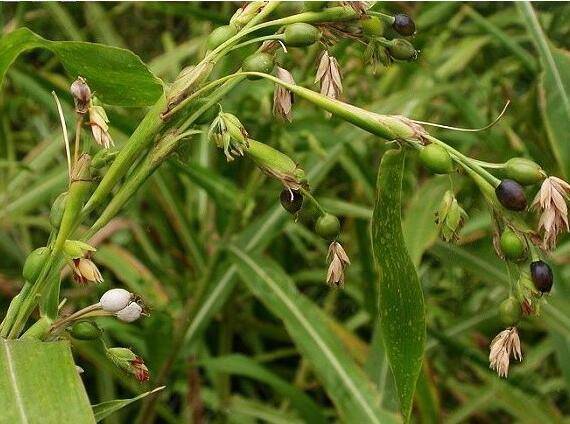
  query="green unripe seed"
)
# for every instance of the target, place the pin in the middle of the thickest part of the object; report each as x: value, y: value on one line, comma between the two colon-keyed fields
x: 34, y: 263
x: 258, y: 62
x: 402, y: 50
x: 314, y: 6
x: 510, y: 311
x: 512, y: 246
x: 372, y: 26
x: 220, y: 35
x: 524, y: 171
x: 85, y: 330
x: 301, y: 35
x: 436, y: 159
x: 57, y: 208
x: 327, y: 226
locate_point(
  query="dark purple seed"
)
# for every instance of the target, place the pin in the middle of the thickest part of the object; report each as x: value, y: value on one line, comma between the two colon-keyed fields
x: 291, y: 200
x: 511, y: 195
x: 404, y: 25
x: 541, y: 275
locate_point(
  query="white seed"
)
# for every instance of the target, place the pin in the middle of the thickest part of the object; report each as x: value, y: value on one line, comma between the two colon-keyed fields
x: 130, y: 313
x: 115, y: 299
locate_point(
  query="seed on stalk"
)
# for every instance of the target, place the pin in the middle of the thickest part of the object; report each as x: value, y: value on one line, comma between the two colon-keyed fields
x: 524, y: 171
x: 291, y: 200
x: 401, y: 49
x: 404, y: 25
x: 372, y: 26
x: 541, y: 275
x: 436, y: 159
x: 85, y: 330
x: 301, y: 35
x: 327, y: 226
x: 130, y: 313
x: 34, y: 263
x: 258, y: 62
x: 220, y: 35
x: 510, y: 311
x: 511, y: 195
x: 512, y: 246
x: 115, y: 300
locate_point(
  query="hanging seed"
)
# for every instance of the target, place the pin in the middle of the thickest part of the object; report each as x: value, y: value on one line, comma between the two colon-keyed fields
x: 301, y: 35
x: 327, y: 226
x: 510, y: 311
x: 85, y: 330
x: 404, y: 25
x: 402, y: 50
x: 258, y: 62
x: 436, y: 159
x: 541, y: 275
x: 512, y: 246
x: 511, y: 195
x: 291, y: 200
x: 524, y: 171
x: 220, y: 35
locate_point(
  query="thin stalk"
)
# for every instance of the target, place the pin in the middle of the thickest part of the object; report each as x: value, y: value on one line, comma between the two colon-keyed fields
x: 256, y: 40
x: 77, y: 143
x: 308, y: 195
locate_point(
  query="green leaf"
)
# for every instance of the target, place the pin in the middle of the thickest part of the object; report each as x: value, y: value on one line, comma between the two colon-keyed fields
x: 402, y: 314
x: 104, y: 409
x: 118, y: 76
x: 346, y: 384
x: 244, y: 366
x: 39, y: 383
x: 554, y: 89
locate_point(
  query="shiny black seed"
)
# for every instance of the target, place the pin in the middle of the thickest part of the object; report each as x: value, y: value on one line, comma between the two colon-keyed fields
x: 511, y: 195
x: 541, y: 275
x: 291, y: 200
x: 403, y: 24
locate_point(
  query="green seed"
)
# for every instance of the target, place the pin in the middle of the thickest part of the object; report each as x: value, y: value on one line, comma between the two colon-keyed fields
x: 34, y: 263
x: 314, y: 6
x: 327, y: 226
x: 301, y: 35
x: 436, y: 159
x: 512, y: 246
x: 510, y: 311
x: 57, y: 208
x: 402, y: 50
x: 85, y: 330
x: 524, y: 171
x: 372, y: 26
x: 258, y: 62
x: 220, y: 35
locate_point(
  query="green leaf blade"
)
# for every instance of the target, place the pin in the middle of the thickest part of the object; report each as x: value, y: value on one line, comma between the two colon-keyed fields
x: 402, y: 314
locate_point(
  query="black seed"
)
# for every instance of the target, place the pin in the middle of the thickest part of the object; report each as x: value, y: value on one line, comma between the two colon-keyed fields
x: 541, y: 275
x: 291, y: 200
x: 511, y: 195
x: 403, y: 24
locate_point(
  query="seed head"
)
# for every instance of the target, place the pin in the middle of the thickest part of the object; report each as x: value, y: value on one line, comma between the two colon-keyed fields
x: 85, y: 271
x: 338, y: 262
x: 81, y: 95
x: 283, y: 98
x: 115, y: 300
x: 550, y: 201
x: 505, y: 344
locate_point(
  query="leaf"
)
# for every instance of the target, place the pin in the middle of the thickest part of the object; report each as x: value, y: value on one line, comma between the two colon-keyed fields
x: 244, y: 366
x: 402, y: 315
x: 346, y: 384
x: 554, y: 89
x: 30, y: 368
x: 118, y: 76
x: 104, y: 409
x: 419, y: 227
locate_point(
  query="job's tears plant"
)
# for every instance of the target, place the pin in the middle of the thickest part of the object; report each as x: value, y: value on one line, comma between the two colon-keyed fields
x: 196, y: 98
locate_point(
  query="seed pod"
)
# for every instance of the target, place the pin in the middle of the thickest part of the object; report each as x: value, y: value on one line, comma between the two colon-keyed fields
x: 57, y: 209
x: 291, y: 200
x: 404, y: 25
x: 327, y: 226
x: 34, y: 263
x: 130, y: 313
x: 524, y: 171
x: 115, y: 299
x: 301, y: 35
x: 511, y: 195
x: 258, y: 62
x: 401, y: 49
x: 510, y: 311
x: 541, y: 275
x: 372, y: 26
x: 220, y: 35
x: 85, y: 330
x: 512, y: 246
x: 314, y: 6
x: 436, y: 159
x: 208, y: 115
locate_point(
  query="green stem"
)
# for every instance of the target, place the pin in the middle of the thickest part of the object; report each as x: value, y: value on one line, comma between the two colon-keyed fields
x: 256, y: 40
x: 308, y: 195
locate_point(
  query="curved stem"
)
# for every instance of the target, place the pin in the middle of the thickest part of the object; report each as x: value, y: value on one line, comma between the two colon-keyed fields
x: 308, y: 194
x: 256, y: 40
